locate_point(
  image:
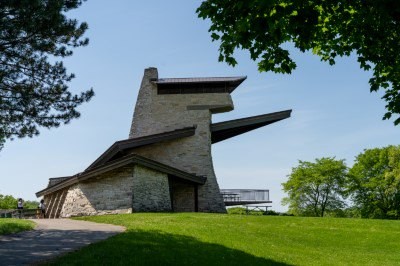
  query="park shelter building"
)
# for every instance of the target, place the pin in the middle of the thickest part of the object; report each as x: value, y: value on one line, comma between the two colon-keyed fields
x: 166, y: 163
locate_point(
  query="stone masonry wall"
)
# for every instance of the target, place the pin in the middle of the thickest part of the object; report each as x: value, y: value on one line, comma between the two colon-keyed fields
x: 160, y: 113
x: 108, y: 194
x: 157, y: 113
x: 150, y: 190
x: 183, y: 196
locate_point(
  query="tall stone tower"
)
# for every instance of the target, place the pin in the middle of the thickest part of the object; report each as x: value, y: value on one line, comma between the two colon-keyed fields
x: 169, y: 104
x: 166, y: 163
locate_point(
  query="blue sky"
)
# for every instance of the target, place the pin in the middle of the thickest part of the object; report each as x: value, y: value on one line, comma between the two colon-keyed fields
x: 334, y: 114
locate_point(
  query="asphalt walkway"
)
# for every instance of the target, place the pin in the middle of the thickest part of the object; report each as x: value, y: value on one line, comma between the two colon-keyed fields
x: 51, y: 238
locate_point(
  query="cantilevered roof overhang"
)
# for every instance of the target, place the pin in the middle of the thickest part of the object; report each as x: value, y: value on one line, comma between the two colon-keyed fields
x: 219, y: 132
x: 119, y: 147
x: 121, y: 162
x: 228, y: 129
x: 198, y: 85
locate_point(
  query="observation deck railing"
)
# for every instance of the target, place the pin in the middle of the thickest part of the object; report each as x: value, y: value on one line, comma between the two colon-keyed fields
x: 245, y: 196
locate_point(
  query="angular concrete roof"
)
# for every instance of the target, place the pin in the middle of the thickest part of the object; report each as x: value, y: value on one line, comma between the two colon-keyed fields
x: 198, y: 85
x: 115, y: 164
x: 118, y: 148
x: 228, y: 129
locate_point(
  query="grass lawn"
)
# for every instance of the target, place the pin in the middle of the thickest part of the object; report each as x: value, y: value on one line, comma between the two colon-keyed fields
x: 212, y: 239
x: 10, y: 226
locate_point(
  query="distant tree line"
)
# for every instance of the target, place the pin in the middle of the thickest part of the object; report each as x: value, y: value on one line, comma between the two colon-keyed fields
x: 9, y: 202
x: 327, y: 187
x: 258, y: 212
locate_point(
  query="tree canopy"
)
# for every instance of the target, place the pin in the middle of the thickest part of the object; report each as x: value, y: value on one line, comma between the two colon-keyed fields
x: 9, y: 202
x: 34, y: 88
x: 315, y: 188
x: 370, y: 29
x: 374, y: 183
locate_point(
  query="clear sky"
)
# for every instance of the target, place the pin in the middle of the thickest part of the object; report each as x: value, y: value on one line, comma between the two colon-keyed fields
x: 334, y: 114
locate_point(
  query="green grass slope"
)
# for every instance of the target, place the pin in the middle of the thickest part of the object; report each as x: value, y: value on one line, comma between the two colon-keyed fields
x: 10, y: 226
x: 212, y: 239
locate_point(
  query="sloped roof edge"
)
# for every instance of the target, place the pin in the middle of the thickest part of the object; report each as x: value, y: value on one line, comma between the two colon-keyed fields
x: 122, y: 145
x: 56, y: 180
x: 65, y: 183
x: 126, y: 160
x: 228, y: 129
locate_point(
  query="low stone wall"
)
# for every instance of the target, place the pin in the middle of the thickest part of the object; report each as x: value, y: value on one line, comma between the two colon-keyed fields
x: 110, y: 193
x: 128, y: 189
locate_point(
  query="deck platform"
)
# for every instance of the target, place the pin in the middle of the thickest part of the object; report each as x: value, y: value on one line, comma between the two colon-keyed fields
x: 236, y: 197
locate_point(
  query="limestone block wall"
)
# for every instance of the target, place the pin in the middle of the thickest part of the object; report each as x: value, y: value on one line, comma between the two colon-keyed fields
x: 157, y: 113
x: 108, y: 194
x: 160, y: 113
x: 150, y: 190
x: 186, y: 155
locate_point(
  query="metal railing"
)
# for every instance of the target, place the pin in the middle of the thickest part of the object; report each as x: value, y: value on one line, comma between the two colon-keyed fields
x: 245, y: 195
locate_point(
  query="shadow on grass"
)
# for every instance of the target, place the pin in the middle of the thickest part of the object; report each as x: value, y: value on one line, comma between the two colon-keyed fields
x: 10, y: 227
x: 158, y: 248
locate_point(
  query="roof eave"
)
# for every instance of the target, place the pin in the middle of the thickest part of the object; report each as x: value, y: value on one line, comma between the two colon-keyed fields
x: 199, y: 80
x: 72, y: 180
x: 130, y: 159
x: 233, y: 82
x: 228, y: 129
x: 123, y: 145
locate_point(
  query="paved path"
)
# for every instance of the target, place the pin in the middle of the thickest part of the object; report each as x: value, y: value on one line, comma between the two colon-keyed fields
x: 51, y: 238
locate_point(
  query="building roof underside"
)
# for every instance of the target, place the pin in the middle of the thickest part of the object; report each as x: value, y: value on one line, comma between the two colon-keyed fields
x: 131, y: 159
x: 198, y: 85
x: 228, y: 129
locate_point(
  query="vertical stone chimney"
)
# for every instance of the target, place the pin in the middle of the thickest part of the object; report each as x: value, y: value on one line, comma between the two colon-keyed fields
x: 143, y: 106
